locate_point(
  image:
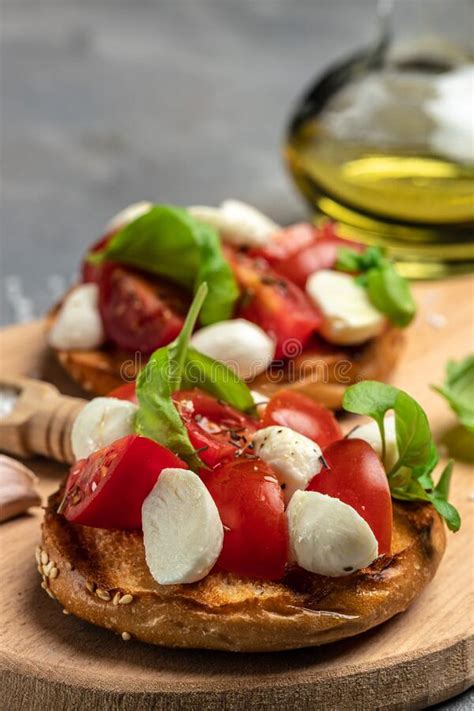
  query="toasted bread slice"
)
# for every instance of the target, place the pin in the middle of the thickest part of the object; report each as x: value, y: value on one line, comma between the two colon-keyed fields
x: 322, y: 373
x: 101, y: 576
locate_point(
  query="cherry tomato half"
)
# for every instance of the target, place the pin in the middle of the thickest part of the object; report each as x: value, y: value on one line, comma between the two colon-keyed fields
x: 139, y: 313
x: 92, y: 272
x: 215, y: 428
x: 275, y: 304
x: 356, y: 476
x: 218, y: 430
x: 300, y: 413
x: 298, y: 251
x: 107, y: 489
x: 250, y: 503
x: 127, y: 391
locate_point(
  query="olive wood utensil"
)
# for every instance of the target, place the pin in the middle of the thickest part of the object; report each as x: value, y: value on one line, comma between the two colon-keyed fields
x: 39, y: 421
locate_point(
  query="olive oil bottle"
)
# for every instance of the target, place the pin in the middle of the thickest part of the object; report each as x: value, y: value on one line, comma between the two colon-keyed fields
x: 384, y: 144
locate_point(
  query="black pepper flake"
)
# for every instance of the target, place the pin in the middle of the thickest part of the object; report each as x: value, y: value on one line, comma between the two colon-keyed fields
x: 348, y: 569
x: 324, y: 461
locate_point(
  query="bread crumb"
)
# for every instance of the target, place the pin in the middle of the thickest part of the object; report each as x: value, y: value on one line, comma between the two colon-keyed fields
x: 436, y: 320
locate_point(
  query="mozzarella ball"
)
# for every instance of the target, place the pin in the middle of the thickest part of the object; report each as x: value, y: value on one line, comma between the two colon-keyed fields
x: 78, y: 325
x: 182, y: 531
x: 294, y: 458
x: 102, y: 421
x: 128, y: 215
x: 327, y: 536
x: 349, y: 318
x: 370, y: 433
x: 237, y: 223
x: 241, y: 345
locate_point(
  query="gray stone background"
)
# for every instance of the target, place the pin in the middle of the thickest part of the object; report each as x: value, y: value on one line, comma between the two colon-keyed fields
x: 104, y: 103
x: 185, y: 101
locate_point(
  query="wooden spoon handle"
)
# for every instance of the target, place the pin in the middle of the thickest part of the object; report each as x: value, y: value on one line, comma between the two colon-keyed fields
x: 40, y: 420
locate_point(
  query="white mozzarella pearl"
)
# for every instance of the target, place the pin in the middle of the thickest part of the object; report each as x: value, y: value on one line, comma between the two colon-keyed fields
x: 241, y: 345
x: 182, y: 530
x: 327, y: 536
x: 78, y: 324
x: 294, y: 458
x: 237, y: 223
x: 349, y: 318
x: 128, y: 215
x: 102, y: 421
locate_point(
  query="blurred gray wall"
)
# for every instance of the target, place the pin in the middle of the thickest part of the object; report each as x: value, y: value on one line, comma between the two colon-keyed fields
x: 104, y: 103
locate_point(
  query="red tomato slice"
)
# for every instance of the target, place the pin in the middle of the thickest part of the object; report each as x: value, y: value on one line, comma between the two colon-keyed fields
x: 298, y: 251
x: 125, y: 392
x: 356, y: 476
x: 300, y: 413
x: 92, y: 272
x: 250, y: 503
x: 215, y: 428
x: 275, y: 304
x: 107, y: 489
x: 287, y: 242
x: 139, y: 314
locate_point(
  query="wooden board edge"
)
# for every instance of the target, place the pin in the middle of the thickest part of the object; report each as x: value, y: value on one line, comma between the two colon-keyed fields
x: 435, y: 676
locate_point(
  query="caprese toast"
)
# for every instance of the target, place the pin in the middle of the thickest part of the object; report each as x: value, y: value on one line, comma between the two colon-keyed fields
x: 195, y: 518
x: 295, y: 307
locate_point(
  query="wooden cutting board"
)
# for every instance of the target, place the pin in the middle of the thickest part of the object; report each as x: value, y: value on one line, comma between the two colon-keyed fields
x: 52, y: 661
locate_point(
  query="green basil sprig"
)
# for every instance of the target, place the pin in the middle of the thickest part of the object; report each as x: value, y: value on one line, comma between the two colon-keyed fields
x: 410, y: 478
x: 169, y: 242
x: 178, y: 366
x: 458, y: 389
x: 388, y: 291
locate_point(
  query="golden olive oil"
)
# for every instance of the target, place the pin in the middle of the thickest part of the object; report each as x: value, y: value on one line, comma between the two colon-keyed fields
x: 389, y: 154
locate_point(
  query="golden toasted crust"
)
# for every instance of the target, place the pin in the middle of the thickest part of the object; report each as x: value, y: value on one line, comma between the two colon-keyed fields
x: 103, y: 578
x: 322, y: 373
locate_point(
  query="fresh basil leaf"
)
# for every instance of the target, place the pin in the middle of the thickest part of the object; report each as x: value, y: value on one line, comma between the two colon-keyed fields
x: 414, y: 438
x: 423, y: 472
x: 217, y: 379
x: 458, y: 389
x: 390, y: 293
x: 387, y: 290
x: 447, y: 511
x: 413, y: 491
x: 444, y: 483
x: 348, y: 260
x: 439, y: 499
x: 175, y: 367
x: 371, y: 258
x: 410, y: 479
x: 157, y: 416
x: 369, y: 397
x: 402, y: 478
x: 180, y: 346
x: 169, y: 242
